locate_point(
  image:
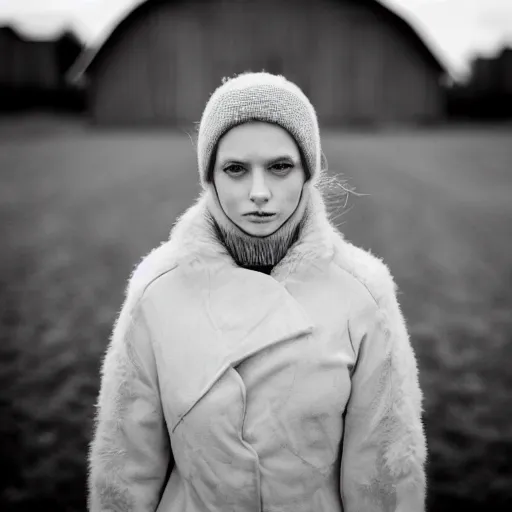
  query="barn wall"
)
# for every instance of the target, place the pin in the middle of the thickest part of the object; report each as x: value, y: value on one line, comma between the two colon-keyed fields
x: 353, y: 65
x: 121, y: 90
x: 27, y: 63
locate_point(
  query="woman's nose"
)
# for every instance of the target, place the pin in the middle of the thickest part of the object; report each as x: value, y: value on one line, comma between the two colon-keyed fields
x: 260, y: 193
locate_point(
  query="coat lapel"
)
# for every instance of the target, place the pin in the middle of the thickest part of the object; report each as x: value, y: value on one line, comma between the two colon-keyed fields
x: 217, y: 318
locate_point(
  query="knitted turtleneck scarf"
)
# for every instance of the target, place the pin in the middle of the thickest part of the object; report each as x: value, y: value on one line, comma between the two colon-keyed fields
x: 252, y: 252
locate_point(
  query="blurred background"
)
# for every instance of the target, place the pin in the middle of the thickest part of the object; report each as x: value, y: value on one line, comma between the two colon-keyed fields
x: 99, y: 104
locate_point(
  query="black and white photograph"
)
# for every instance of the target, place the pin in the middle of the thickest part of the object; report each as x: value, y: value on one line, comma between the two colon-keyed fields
x: 256, y: 255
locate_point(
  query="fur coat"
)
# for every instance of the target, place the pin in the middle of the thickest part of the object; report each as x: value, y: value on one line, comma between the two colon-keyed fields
x: 225, y: 389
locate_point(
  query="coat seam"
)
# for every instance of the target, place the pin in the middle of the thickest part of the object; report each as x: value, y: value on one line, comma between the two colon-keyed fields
x: 151, y: 281
x: 360, y: 281
x: 248, y: 445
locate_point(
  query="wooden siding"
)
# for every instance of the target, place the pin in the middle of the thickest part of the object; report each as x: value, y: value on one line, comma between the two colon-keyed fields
x: 354, y: 66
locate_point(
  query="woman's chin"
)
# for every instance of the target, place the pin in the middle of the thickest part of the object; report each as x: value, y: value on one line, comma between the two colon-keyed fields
x: 259, y: 229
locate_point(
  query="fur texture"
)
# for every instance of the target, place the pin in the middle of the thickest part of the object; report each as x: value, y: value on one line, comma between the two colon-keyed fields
x: 392, y: 399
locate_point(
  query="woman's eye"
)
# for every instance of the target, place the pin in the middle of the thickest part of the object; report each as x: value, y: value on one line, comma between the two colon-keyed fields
x: 282, y: 168
x: 234, y: 169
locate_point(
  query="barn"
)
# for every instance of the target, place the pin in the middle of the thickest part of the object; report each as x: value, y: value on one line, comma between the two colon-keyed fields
x: 358, y: 61
x: 32, y: 72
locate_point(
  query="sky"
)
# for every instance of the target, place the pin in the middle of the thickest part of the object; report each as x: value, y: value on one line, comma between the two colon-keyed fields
x: 455, y: 30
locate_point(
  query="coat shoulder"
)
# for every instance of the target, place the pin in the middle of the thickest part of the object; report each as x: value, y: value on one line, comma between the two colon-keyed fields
x: 367, y: 268
x: 157, y: 263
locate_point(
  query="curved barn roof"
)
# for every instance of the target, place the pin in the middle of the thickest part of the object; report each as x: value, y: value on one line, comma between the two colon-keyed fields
x: 91, y: 57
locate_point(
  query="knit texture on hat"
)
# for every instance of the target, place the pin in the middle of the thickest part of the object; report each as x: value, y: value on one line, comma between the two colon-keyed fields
x: 259, y: 97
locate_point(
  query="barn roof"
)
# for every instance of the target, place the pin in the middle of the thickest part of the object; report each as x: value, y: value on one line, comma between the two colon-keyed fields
x: 17, y: 31
x: 90, y: 58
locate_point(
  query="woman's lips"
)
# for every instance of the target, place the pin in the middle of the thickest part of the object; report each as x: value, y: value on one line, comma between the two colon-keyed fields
x: 260, y: 217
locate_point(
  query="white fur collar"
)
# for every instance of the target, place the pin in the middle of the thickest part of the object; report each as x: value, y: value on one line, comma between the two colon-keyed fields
x: 192, y: 239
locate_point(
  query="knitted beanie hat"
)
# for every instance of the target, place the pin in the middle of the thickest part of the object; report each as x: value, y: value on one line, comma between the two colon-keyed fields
x: 259, y: 97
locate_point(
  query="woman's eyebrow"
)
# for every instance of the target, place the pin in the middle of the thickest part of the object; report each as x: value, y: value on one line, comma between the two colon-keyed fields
x: 228, y: 160
x: 280, y: 159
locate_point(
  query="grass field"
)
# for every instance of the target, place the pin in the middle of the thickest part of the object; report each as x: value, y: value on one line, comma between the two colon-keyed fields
x: 79, y: 208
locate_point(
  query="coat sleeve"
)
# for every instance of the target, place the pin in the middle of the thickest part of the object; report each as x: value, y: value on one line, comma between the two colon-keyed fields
x: 384, y: 445
x: 130, y: 451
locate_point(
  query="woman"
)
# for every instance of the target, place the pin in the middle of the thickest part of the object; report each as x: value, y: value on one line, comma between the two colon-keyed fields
x: 260, y: 361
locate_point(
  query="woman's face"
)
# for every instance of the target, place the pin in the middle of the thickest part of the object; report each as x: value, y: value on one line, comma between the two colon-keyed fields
x: 259, y: 176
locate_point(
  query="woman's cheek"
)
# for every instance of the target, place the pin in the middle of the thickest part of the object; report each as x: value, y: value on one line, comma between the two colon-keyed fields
x: 294, y: 196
